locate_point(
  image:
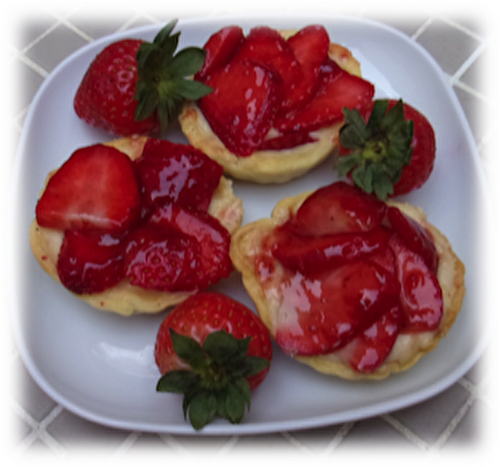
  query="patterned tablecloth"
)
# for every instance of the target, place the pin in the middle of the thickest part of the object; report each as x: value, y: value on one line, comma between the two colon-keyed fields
x: 456, y: 425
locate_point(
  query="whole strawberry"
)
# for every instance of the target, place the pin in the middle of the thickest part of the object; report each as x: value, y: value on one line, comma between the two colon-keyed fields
x: 387, y: 149
x: 215, y: 351
x: 138, y: 87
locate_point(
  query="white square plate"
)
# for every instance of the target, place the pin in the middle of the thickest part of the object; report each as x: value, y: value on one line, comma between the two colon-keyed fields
x: 100, y: 365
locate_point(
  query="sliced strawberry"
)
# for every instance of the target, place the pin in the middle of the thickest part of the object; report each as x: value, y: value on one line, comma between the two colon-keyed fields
x: 369, y: 350
x: 95, y: 188
x: 220, y: 48
x: 162, y: 259
x: 242, y: 106
x: 307, y: 254
x: 169, y: 172
x: 286, y: 141
x: 310, y: 48
x: 337, y: 90
x: 268, y: 48
x: 90, y: 262
x: 421, y: 296
x: 213, y: 238
x: 337, y: 208
x: 415, y: 236
x: 323, y: 312
x: 388, y: 148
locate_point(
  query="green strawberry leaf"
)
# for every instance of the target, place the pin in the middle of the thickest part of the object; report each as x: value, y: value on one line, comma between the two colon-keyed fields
x: 255, y: 365
x: 216, y: 383
x: 188, y: 61
x: 165, y: 34
x: 192, y: 90
x: 165, y: 77
x: 379, y: 149
x: 236, y: 402
x: 222, y: 347
x: 244, y: 388
x: 188, y: 349
x: 177, y: 381
x: 202, y: 409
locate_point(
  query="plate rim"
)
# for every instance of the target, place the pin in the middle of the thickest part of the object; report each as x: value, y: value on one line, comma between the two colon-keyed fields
x: 253, y: 427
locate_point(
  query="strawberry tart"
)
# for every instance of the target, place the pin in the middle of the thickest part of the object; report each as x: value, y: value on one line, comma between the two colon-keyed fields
x: 348, y: 284
x: 277, y: 101
x: 136, y: 225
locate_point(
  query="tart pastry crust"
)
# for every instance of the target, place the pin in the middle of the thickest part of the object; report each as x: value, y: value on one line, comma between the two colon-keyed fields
x: 268, y: 166
x: 125, y: 298
x: 408, y: 349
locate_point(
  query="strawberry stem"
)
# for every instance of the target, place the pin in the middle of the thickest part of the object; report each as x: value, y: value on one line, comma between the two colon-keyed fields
x: 379, y: 149
x: 216, y: 384
x: 164, y: 81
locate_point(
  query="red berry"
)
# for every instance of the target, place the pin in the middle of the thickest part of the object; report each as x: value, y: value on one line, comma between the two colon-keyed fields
x: 310, y: 48
x: 213, y: 240
x: 388, y: 148
x: 138, y: 87
x: 161, y: 259
x: 421, y: 295
x: 266, y: 47
x: 105, y: 97
x: 369, y: 350
x: 415, y: 236
x: 215, y: 350
x: 308, y: 254
x: 90, y: 262
x: 242, y: 106
x: 337, y: 90
x: 220, y: 48
x: 95, y: 188
x: 357, y: 273
x: 338, y: 208
x: 335, y: 306
x: 176, y: 173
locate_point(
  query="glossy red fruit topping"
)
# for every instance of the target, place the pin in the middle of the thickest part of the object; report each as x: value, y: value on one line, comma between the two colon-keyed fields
x: 369, y: 350
x: 213, y: 239
x: 266, y: 47
x: 242, y: 106
x: 309, y: 254
x: 421, y: 296
x: 95, y: 188
x: 160, y: 259
x: 286, y: 141
x: 310, y: 48
x: 415, y: 236
x: 337, y: 90
x: 220, y: 48
x: 90, y: 262
x: 337, y: 208
x: 357, y: 273
x: 95, y: 198
x: 334, y: 307
x: 176, y: 173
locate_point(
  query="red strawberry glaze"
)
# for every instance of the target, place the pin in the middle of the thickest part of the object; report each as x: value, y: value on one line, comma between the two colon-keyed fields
x: 176, y: 245
x: 175, y: 173
x: 305, y: 91
x: 351, y: 292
